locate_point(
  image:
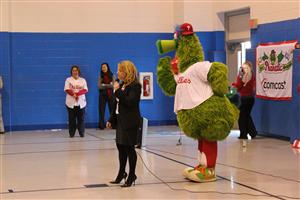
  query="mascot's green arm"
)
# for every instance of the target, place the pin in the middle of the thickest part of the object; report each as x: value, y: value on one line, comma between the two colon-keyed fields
x: 165, y: 76
x: 217, y: 77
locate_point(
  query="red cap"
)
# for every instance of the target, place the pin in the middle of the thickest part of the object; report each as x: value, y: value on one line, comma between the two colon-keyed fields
x: 186, y: 29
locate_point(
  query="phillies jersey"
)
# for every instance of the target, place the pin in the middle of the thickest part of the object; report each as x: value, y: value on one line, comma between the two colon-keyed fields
x: 75, y: 85
x: 192, y: 87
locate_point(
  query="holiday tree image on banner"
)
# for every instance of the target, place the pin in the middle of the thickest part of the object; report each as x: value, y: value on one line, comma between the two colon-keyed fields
x: 274, y: 70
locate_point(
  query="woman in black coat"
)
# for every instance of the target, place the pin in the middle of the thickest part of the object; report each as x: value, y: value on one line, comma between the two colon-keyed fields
x: 126, y: 117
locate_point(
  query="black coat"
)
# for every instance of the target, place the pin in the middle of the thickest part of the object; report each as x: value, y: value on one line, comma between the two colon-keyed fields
x: 128, y: 120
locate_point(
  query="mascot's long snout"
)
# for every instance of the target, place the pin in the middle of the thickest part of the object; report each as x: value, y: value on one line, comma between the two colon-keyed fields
x: 165, y: 46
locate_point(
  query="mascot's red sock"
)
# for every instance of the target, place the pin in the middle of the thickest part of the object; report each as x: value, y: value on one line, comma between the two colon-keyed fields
x: 208, y: 153
x: 205, y: 171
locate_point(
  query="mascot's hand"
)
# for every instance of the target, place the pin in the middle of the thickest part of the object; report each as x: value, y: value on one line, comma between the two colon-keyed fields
x: 165, y: 77
x: 174, y: 65
x: 217, y: 77
x: 164, y: 61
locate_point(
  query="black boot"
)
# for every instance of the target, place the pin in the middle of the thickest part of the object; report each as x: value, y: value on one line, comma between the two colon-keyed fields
x: 119, y: 178
x: 129, y: 181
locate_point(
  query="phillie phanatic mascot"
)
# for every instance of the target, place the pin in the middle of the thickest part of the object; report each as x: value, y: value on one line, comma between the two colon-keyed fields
x: 203, y: 111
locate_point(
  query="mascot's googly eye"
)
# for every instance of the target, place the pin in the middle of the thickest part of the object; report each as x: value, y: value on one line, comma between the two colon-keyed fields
x: 177, y: 32
x: 175, y: 36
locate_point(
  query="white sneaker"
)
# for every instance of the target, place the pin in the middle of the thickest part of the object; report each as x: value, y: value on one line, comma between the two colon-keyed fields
x: 244, y: 143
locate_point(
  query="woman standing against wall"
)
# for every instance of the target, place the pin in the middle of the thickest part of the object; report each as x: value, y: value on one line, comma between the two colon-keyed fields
x: 127, y: 118
x: 245, y: 85
x: 76, y: 88
x: 105, y: 85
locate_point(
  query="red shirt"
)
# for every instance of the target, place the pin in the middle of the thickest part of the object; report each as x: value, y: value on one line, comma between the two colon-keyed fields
x: 107, y: 80
x: 245, y: 90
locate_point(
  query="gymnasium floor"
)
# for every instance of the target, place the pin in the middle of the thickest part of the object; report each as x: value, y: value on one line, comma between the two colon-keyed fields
x: 50, y: 165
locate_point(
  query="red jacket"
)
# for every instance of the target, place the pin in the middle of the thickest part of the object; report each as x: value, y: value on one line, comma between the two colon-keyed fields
x: 248, y: 89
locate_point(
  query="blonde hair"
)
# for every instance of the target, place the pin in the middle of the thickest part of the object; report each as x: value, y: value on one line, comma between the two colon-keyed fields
x: 130, y: 70
x: 247, y: 76
x: 247, y: 62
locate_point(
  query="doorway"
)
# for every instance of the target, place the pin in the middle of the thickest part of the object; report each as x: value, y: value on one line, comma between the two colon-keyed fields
x: 237, y: 33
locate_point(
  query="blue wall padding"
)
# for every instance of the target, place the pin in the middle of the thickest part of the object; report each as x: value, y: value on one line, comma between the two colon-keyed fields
x: 281, y: 118
x: 34, y: 67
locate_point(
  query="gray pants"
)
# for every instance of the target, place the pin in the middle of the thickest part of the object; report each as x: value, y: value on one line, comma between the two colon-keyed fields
x: 1, y: 120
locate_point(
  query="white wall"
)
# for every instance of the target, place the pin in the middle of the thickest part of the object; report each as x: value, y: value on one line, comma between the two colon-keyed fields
x: 133, y: 15
x: 264, y: 11
x: 209, y: 15
x: 91, y: 16
x: 199, y: 14
x: 178, y: 12
x: 4, y: 15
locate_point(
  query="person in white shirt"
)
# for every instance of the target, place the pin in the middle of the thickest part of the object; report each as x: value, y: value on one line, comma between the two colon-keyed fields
x: 1, y: 120
x: 76, y: 88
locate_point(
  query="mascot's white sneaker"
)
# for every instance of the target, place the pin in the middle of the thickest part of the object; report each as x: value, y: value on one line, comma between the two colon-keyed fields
x: 186, y: 171
x: 201, y: 174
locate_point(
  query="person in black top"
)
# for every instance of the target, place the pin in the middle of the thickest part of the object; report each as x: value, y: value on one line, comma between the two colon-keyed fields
x: 105, y: 85
x: 245, y: 85
x: 126, y: 117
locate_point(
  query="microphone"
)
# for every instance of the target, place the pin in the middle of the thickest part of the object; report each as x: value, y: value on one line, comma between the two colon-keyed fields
x: 120, y: 81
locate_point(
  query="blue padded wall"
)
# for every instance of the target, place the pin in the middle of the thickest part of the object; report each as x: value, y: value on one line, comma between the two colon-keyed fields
x: 5, y: 72
x: 281, y: 118
x: 35, y: 66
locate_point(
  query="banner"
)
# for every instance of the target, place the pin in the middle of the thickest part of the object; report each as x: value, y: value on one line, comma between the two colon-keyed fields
x: 274, y: 70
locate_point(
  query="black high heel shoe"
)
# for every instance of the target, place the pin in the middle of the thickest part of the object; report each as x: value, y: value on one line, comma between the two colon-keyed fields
x: 129, y: 181
x: 119, y: 179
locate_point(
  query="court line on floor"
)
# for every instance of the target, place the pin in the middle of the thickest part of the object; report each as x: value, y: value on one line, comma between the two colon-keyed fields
x: 98, y: 137
x: 70, y: 141
x: 102, y: 139
x: 58, y: 151
x: 154, y: 136
x: 159, y: 155
x: 86, y: 150
x: 76, y: 150
x: 238, y: 183
x: 253, y: 171
x: 54, y: 142
x: 84, y: 187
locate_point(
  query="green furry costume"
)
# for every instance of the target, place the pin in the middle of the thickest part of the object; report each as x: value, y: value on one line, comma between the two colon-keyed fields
x: 212, y: 119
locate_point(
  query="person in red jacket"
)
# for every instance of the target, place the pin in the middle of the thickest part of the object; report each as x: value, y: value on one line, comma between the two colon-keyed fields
x: 245, y: 85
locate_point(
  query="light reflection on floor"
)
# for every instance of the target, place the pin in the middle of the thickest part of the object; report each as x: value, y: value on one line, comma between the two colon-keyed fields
x: 50, y: 165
